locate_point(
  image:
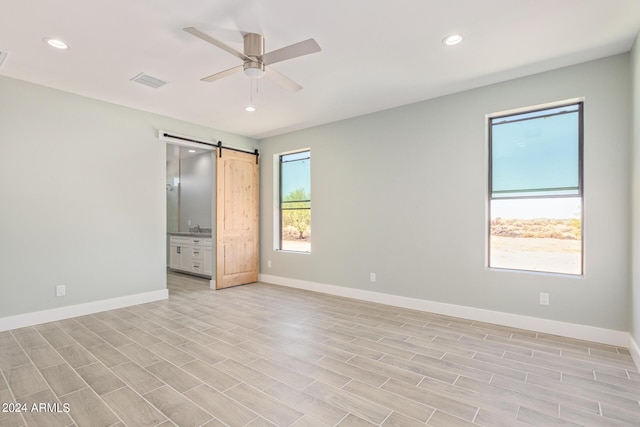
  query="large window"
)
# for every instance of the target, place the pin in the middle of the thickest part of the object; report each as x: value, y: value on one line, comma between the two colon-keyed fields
x: 295, y: 202
x: 535, y: 190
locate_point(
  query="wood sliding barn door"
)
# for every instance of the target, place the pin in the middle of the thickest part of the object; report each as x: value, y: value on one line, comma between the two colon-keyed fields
x: 237, y: 197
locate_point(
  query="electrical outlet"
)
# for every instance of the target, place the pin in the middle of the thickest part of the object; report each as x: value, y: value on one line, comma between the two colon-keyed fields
x: 268, y: 263
x: 372, y: 277
x: 544, y: 298
x: 61, y: 290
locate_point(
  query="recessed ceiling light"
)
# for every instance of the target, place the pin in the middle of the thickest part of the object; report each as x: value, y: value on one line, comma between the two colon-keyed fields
x: 57, y: 43
x: 250, y: 108
x: 192, y: 151
x: 452, y: 40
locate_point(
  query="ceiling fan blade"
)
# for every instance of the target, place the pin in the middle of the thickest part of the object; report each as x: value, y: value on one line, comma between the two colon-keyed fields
x: 221, y: 74
x: 282, y: 80
x: 292, y: 51
x: 206, y: 37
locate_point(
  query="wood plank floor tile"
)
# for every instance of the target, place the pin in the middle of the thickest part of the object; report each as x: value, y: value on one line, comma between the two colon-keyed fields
x: 393, y: 401
x: 177, y: 408
x: 76, y: 356
x: 260, y: 422
x: 423, y: 369
x: 88, y: 409
x: 85, y: 337
x: 543, y: 405
x: 307, y: 403
x: 597, y: 394
x: 308, y: 421
x: 58, y: 338
x: 354, y: 421
x: 432, y: 399
x: 264, y: 355
x: 349, y: 402
x: 203, y: 353
x: 617, y: 413
x: 9, y: 418
x: 233, y: 352
x: 373, y: 378
x: 386, y: 370
x: 486, y: 417
x: 133, y: 409
x: 29, y: 337
x: 7, y: 339
x: 264, y: 405
x: 629, y: 391
x: 12, y: 356
x: 311, y: 370
x: 282, y: 374
x: 62, y: 379
x: 240, y: 372
x: 24, y: 380
x: 115, y: 338
x: 406, y: 349
x: 530, y: 416
x: 93, y: 324
x: 100, y: 378
x: 478, y: 399
x: 170, y: 374
x: 215, y: 376
x: 567, y: 399
x: 583, y: 418
x: 137, y: 377
x: 220, y: 406
x: 399, y: 420
x: 139, y: 354
x: 443, y: 419
x: 171, y: 353
x: 517, y: 365
x: 53, y: 415
x: 457, y: 366
x: 108, y: 355
x: 44, y: 356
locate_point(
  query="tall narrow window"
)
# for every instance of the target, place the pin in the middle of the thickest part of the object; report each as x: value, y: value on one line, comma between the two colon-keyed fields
x: 535, y: 190
x: 295, y: 202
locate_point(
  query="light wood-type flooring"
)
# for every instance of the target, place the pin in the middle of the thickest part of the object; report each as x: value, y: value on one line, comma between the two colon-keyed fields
x: 264, y: 355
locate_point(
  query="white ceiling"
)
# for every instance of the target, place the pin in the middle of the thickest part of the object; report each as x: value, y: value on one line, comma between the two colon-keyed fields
x: 376, y: 54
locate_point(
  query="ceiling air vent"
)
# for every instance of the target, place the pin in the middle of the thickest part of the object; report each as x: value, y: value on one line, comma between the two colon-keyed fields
x: 3, y: 56
x: 147, y: 80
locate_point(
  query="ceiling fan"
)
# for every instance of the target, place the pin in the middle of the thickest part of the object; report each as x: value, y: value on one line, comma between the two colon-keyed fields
x: 255, y: 61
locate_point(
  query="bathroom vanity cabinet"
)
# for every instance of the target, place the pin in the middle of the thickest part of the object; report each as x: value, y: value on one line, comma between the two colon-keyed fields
x: 191, y: 253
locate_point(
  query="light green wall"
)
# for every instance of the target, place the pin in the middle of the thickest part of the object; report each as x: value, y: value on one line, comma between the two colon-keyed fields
x: 635, y: 199
x: 402, y: 193
x: 82, y: 197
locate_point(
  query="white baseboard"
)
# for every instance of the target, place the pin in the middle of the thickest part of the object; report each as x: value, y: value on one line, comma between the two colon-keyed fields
x: 212, y: 284
x: 634, y: 349
x: 60, y: 313
x: 554, y: 327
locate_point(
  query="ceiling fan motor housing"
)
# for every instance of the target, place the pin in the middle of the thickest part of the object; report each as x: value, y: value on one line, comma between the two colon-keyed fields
x: 254, y: 49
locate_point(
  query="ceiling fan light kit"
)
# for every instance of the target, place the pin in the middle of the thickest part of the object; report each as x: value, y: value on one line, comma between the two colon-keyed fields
x: 254, y: 49
x: 253, y: 69
x: 255, y: 61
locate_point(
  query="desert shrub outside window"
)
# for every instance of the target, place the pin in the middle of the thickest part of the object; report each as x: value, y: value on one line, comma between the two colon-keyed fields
x: 295, y: 201
x: 536, y: 190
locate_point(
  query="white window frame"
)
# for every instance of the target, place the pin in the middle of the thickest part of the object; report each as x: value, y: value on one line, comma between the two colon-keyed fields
x: 488, y: 198
x: 277, y: 221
